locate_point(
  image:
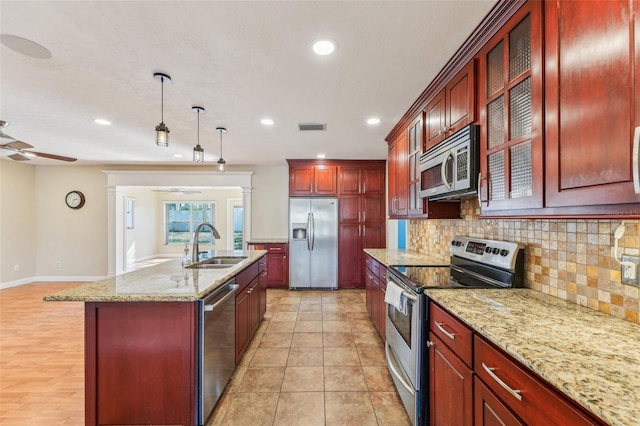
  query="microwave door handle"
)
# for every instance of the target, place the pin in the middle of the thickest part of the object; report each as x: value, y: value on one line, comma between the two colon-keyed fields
x: 443, y: 173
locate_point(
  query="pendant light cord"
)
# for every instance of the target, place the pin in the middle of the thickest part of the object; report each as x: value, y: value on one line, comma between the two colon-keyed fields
x: 221, y: 144
x: 162, y: 99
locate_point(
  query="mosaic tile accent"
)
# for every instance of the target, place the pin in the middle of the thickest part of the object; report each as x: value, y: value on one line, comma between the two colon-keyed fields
x: 567, y: 258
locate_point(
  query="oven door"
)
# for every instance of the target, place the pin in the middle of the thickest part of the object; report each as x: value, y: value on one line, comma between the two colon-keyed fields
x: 403, y: 351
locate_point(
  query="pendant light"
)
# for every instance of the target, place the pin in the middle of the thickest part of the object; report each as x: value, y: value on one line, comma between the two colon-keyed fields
x: 221, y: 162
x: 198, y: 151
x: 162, y: 131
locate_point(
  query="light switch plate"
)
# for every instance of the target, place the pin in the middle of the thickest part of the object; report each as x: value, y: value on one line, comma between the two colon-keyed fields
x: 630, y: 273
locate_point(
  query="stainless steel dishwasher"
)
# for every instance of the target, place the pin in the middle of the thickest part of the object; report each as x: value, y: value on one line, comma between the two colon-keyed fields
x: 217, y: 339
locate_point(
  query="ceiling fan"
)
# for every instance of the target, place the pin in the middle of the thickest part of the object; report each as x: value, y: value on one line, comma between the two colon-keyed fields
x: 178, y: 191
x: 19, y: 148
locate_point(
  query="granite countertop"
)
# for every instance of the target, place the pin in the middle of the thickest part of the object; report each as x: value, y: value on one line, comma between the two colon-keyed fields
x: 404, y: 257
x: 592, y: 357
x: 165, y: 282
x: 268, y: 241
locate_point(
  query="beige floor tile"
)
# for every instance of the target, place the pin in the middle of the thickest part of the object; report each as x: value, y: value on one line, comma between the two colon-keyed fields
x: 389, y: 409
x: 341, y: 356
x: 355, y: 307
x: 310, y: 307
x: 300, y: 409
x: 276, y: 340
x: 336, y: 326
x: 311, y: 299
x: 335, y: 316
x: 220, y: 410
x: 306, y: 340
x: 255, y: 409
x: 236, y: 379
x: 270, y: 357
x: 349, y: 408
x: 291, y: 298
x: 372, y: 355
x: 305, y: 357
x: 378, y: 378
x: 310, y: 316
x: 308, y: 327
x: 287, y: 307
x: 263, y: 379
x: 367, y: 339
x: 362, y: 327
x: 337, y: 339
x: 281, y: 327
x: 357, y: 316
x: 285, y: 316
x: 303, y: 379
x: 342, y: 378
x: 247, y: 357
x: 332, y: 307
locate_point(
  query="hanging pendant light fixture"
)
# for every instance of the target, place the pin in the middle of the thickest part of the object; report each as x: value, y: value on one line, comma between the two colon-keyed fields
x: 221, y: 162
x: 162, y: 131
x: 198, y: 151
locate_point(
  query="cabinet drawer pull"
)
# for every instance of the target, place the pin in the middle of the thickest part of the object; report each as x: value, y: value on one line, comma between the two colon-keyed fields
x: 515, y: 393
x: 635, y: 159
x: 446, y: 333
x: 275, y: 249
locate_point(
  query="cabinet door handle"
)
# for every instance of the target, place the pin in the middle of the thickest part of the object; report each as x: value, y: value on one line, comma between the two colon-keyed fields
x: 636, y: 153
x: 515, y: 393
x: 446, y: 333
x: 364, y: 216
x: 364, y: 231
x: 359, y: 214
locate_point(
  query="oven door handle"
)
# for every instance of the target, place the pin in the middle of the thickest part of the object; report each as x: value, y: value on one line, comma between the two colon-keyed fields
x: 392, y: 366
x: 404, y: 292
x: 482, y: 278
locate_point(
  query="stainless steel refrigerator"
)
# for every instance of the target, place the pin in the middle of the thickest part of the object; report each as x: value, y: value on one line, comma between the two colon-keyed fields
x: 313, y: 243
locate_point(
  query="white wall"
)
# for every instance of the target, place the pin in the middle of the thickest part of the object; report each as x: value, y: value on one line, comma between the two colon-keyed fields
x: 75, y: 238
x: 17, y: 221
x: 140, y: 242
x: 270, y: 215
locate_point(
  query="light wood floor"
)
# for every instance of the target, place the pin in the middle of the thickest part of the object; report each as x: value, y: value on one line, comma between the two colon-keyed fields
x: 41, y: 357
x: 316, y: 359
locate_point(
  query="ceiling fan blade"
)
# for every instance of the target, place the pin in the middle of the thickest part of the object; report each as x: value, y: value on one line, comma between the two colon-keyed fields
x: 19, y: 157
x: 6, y: 136
x: 17, y: 145
x: 52, y: 156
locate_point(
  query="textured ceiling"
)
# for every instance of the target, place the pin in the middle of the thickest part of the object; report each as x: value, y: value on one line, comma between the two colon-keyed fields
x: 240, y: 60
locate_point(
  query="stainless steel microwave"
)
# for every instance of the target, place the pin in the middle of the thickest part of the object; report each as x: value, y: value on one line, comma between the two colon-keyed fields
x: 450, y: 169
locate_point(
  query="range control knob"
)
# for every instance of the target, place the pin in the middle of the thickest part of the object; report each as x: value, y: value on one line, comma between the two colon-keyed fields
x: 504, y: 252
x: 454, y: 243
x: 488, y: 250
x: 495, y: 250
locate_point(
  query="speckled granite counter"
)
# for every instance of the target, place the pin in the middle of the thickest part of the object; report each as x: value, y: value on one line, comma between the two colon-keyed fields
x: 165, y: 282
x: 592, y: 357
x: 268, y: 241
x: 403, y: 257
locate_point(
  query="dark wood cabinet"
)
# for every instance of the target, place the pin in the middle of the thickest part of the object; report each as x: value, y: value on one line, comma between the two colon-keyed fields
x: 450, y: 387
x: 510, y: 94
x: 592, y: 101
x: 243, y: 322
x: 361, y: 217
x: 398, y: 193
x: 489, y: 410
x: 415, y: 205
x: 375, y: 288
x: 277, y: 263
x: 452, y: 108
x: 312, y: 179
x: 250, y: 304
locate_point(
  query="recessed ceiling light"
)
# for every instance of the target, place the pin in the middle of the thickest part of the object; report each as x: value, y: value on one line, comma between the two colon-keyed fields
x: 102, y: 121
x: 373, y: 120
x: 267, y: 121
x: 177, y: 155
x: 324, y: 46
x: 321, y: 156
x: 24, y: 46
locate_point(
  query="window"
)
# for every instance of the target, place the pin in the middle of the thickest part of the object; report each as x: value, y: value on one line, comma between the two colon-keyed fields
x: 182, y: 219
x: 237, y: 227
x: 129, y: 206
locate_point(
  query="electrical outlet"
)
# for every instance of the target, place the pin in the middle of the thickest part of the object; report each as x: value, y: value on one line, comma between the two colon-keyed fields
x: 630, y: 272
x: 57, y: 264
x: 16, y: 267
x: 437, y: 238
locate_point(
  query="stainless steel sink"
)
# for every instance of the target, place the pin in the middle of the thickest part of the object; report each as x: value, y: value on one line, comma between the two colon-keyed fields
x: 218, y: 262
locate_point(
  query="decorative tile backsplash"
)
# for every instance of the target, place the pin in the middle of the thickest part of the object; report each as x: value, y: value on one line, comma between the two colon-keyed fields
x: 567, y: 258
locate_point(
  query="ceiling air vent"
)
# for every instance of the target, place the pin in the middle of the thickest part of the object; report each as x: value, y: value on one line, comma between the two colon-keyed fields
x: 311, y: 126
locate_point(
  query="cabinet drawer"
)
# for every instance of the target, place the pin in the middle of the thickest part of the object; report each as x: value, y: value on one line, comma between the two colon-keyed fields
x: 269, y: 247
x: 375, y: 267
x: 383, y: 274
x: 532, y: 400
x: 246, y: 276
x: 262, y: 264
x: 452, y: 332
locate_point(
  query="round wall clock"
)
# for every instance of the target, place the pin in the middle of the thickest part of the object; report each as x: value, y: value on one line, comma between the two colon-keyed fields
x: 74, y: 199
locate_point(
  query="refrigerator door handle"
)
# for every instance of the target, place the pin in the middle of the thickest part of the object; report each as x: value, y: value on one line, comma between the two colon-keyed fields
x: 309, y: 231
x: 313, y: 231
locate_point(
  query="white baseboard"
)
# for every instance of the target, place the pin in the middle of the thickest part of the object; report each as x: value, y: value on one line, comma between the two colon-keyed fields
x: 50, y: 279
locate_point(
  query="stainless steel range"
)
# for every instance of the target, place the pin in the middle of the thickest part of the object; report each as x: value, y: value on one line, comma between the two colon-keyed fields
x: 474, y: 263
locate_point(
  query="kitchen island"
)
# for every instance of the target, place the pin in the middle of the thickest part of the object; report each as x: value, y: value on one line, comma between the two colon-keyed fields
x: 144, y: 337
x: 589, y: 357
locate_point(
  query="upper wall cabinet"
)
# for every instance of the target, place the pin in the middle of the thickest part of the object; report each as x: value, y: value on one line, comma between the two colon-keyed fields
x: 592, y: 101
x: 312, y: 179
x: 510, y: 98
x: 398, y: 162
x: 452, y: 108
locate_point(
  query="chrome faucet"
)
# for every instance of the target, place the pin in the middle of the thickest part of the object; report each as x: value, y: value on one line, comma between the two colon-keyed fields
x: 196, y: 234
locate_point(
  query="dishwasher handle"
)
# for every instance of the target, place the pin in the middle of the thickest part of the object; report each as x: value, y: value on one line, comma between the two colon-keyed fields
x: 232, y: 290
